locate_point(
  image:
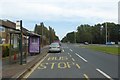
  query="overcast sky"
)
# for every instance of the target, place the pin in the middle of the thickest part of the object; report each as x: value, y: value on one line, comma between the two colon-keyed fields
x: 63, y: 15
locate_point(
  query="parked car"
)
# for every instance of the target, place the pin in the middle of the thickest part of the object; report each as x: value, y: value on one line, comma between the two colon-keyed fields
x: 86, y: 43
x: 110, y: 43
x: 57, y: 42
x: 55, y: 47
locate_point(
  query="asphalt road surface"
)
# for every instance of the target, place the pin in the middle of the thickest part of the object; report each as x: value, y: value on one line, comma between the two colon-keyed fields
x: 76, y: 62
x: 0, y: 62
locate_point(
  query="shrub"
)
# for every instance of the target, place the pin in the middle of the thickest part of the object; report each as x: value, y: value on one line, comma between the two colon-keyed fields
x: 5, y: 50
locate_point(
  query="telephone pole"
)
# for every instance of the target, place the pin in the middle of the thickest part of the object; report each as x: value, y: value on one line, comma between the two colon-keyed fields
x: 21, y: 57
x: 75, y: 37
x: 106, y: 31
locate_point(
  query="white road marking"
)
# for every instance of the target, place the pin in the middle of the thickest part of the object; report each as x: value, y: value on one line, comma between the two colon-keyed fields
x: 78, y: 65
x: 71, y: 50
x: 104, y: 74
x: 81, y: 57
x: 73, y: 59
x: 86, y: 76
x: 68, y: 53
x: 70, y: 56
x: 63, y: 50
x: 36, y: 66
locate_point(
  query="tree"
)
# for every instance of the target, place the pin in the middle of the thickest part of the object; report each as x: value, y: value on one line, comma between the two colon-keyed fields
x: 95, y: 34
x: 44, y: 32
x: 84, y: 33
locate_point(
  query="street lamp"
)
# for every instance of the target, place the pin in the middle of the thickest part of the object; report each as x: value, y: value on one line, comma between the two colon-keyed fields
x: 101, y: 29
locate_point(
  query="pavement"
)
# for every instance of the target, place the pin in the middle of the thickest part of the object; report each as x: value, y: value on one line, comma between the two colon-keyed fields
x: 15, y: 70
x: 0, y: 68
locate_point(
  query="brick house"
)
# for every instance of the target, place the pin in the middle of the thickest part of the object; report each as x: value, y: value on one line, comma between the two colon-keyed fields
x: 5, y: 27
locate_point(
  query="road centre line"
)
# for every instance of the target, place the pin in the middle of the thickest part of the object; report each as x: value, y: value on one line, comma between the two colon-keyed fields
x: 70, y: 56
x: 78, y: 66
x: 33, y: 69
x: 86, y: 76
x: 63, y: 50
x: 71, y: 50
x: 81, y: 57
x: 104, y: 74
x: 73, y: 59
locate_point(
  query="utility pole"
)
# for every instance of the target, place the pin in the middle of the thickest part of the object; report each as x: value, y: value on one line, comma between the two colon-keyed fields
x: 21, y: 43
x: 101, y: 28
x: 42, y: 33
x: 106, y: 31
x: 75, y: 36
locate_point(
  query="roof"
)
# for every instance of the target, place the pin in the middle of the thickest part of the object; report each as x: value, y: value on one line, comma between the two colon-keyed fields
x: 11, y: 25
x: 8, y: 24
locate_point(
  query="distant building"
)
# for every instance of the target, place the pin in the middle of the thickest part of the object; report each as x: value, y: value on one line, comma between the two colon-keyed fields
x: 119, y: 12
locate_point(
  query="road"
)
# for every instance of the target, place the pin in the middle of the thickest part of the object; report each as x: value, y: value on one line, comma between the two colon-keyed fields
x: 0, y: 62
x: 0, y: 68
x: 76, y: 62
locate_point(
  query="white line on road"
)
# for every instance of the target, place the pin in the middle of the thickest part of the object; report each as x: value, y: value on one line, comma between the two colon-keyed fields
x: 63, y: 50
x: 78, y: 66
x: 104, y: 74
x: 73, y: 59
x: 68, y: 53
x: 86, y: 76
x: 71, y: 50
x: 29, y: 73
x: 70, y: 56
x: 81, y: 57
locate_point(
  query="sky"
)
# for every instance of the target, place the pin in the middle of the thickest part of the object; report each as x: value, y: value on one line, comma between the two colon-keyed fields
x: 62, y: 15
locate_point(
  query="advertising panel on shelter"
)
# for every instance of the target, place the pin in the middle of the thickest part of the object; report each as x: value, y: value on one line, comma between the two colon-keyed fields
x: 34, y: 44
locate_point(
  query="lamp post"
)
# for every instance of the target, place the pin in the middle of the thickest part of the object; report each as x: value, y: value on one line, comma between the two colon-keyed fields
x: 101, y: 33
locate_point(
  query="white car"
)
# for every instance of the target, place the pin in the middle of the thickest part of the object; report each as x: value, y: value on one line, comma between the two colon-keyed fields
x: 54, y: 47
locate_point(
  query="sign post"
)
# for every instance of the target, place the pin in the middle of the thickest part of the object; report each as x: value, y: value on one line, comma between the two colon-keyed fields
x: 19, y: 26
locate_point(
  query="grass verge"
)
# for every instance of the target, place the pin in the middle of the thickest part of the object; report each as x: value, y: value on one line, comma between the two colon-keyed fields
x: 107, y: 49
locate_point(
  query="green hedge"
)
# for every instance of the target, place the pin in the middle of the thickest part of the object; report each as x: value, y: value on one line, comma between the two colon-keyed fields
x: 5, y: 50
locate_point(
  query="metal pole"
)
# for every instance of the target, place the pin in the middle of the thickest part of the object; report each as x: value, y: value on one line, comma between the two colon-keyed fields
x: 75, y: 36
x: 42, y: 35
x: 21, y: 42
x: 106, y: 31
x: 101, y: 34
x: 10, y: 49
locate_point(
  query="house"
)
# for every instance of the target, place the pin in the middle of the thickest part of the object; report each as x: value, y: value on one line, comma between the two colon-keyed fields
x: 5, y: 27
